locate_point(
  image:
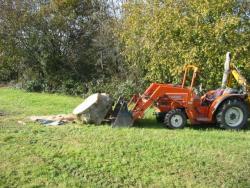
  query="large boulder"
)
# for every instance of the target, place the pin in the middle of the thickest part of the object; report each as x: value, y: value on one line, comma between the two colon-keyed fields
x: 94, y: 109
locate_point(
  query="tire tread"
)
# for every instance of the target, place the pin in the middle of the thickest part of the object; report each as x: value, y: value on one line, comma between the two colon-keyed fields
x: 167, y: 120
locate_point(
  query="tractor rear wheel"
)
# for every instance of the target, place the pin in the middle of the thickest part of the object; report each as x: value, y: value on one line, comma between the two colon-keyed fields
x: 233, y: 114
x: 175, y: 119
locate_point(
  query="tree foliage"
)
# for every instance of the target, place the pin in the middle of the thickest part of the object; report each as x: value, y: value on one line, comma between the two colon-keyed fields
x: 161, y: 36
x: 57, y: 44
x: 119, y: 46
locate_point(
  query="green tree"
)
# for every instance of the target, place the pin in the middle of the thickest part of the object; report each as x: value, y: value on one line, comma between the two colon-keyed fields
x: 161, y: 36
x: 57, y: 44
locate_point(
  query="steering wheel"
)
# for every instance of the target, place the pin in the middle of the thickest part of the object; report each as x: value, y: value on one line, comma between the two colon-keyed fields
x: 198, y: 90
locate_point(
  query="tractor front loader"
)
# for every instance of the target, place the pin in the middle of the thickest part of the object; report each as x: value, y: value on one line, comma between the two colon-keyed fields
x: 174, y: 104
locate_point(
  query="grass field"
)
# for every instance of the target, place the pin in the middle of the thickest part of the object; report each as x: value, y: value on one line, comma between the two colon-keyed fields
x: 147, y: 155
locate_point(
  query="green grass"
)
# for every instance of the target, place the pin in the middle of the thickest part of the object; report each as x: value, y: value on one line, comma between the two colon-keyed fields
x: 147, y: 155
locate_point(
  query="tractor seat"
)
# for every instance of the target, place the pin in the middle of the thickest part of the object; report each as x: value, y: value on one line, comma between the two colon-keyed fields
x: 210, y: 96
x: 229, y: 90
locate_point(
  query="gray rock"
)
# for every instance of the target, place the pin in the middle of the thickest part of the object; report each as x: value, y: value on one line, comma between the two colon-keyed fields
x: 94, y: 109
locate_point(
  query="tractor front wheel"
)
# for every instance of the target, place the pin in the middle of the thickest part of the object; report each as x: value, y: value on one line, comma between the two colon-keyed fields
x: 233, y: 114
x: 175, y: 119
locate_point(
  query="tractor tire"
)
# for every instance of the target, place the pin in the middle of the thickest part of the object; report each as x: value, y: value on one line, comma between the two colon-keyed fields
x: 233, y: 114
x: 175, y: 119
x: 160, y: 116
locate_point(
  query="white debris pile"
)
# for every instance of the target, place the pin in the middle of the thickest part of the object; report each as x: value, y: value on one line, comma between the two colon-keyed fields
x: 54, y: 119
x: 92, y: 111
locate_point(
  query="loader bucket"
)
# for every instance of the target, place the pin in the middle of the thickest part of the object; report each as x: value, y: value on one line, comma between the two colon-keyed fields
x: 122, y: 117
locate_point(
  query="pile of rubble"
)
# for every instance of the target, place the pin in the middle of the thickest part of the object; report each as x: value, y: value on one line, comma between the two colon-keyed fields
x: 93, y: 110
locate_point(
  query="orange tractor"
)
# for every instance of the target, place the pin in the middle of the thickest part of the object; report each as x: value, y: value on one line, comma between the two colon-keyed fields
x: 174, y: 104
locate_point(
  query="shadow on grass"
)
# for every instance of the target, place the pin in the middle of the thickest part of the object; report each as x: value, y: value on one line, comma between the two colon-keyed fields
x: 153, y: 124
x: 149, y: 123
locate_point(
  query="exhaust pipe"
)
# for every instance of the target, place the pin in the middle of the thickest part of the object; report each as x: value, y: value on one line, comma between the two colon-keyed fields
x: 226, y: 70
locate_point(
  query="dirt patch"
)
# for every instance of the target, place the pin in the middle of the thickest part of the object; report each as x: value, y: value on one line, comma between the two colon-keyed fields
x: 3, y: 85
x: 4, y: 113
x: 11, y: 84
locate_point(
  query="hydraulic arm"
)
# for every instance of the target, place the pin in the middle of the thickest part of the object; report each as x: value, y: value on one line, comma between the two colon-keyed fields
x: 232, y: 73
